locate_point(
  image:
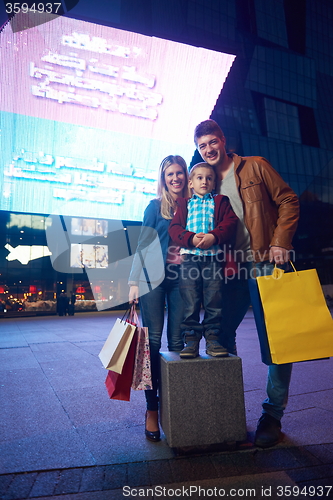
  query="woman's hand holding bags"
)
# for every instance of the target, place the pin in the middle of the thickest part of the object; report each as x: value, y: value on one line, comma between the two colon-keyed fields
x: 126, y: 355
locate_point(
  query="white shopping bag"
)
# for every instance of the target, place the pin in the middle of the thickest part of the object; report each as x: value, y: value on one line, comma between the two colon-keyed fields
x: 115, y: 349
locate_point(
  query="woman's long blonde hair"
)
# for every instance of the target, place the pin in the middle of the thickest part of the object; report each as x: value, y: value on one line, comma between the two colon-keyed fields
x: 168, y: 204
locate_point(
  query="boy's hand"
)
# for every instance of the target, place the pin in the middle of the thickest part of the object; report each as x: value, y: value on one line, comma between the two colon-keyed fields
x: 205, y: 240
x: 197, y: 239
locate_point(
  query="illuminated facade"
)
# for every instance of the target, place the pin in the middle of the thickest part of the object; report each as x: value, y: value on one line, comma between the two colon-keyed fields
x: 276, y: 102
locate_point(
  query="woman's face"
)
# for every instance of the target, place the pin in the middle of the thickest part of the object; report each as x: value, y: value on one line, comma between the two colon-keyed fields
x: 175, y: 180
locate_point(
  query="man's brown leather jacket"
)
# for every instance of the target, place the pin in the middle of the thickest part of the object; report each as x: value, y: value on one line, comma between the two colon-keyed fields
x: 271, y: 208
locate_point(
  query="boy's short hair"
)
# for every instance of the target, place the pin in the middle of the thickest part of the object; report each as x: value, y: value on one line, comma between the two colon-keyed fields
x: 200, y: 165
x: 207, y: 127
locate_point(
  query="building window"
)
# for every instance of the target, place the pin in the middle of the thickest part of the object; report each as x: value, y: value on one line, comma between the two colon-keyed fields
x: 246, y: 16
x: 271, y: 23
x: 282, y: 120
x: 295, y: 13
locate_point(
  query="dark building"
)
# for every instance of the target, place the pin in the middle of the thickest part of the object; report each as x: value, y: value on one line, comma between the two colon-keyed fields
x: 277, y: 102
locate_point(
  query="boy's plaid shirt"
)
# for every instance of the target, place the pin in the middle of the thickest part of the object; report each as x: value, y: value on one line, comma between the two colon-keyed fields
x: 200, y: 219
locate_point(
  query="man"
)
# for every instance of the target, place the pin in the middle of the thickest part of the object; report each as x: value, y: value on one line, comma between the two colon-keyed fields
x: 268, y: 212
x: 72, y: 300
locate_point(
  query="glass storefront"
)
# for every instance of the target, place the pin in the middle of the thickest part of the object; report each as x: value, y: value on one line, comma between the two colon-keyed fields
x: 34, y: 272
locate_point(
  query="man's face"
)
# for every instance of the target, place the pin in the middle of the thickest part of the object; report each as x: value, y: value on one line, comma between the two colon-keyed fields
x: 203, y: 181
x: 212, y: 149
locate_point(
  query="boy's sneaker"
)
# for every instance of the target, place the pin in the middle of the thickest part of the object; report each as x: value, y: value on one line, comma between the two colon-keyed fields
x: 191, y: 349
x: 214, y: 348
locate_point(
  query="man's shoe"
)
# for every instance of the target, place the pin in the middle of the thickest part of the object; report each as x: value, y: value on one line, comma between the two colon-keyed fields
x: 191, y: 350
x: 214, y: 348
x: 268, y: 431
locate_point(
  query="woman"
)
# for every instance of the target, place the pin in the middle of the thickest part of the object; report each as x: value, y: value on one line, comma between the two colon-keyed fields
x: 172, y: 184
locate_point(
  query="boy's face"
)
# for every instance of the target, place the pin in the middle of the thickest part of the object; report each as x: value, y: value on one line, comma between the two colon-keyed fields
x: 203, y: 181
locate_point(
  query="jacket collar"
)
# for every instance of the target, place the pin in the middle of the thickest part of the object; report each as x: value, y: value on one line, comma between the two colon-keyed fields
x: 236, y: 159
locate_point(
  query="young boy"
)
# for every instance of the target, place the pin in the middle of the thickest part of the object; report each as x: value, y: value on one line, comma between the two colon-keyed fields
x: 200, y: 226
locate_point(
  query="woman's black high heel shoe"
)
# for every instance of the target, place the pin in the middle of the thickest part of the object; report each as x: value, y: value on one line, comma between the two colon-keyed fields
x: 153, y: 436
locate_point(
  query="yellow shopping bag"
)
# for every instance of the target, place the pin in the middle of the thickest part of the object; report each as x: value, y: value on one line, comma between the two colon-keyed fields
x: 298, y: 322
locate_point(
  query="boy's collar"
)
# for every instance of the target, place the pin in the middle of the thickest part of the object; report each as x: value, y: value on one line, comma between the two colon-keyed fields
x: 206, y: 196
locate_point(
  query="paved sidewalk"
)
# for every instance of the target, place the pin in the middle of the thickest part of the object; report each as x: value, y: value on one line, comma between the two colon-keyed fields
x: 62, y: 438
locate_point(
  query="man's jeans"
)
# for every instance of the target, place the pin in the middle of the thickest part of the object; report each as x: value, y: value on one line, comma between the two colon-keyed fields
x: 152, y: 306
x: 236, y: 301
x: 201, y: 284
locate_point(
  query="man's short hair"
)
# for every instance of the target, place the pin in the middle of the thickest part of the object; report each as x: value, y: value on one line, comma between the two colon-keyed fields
x: 200, y: 165
x: 207, y: 127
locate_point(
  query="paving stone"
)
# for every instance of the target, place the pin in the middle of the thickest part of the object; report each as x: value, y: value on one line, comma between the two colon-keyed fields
x: 45, y: 484
x: 59, y: 449
x: 224, y: 465
x: 304, y: 456
x: 20, y: 487
x: 182, y: 470
x: 322, y: 488
x: 115, y: 476
x: 21, y: 414
x: 311, y: 473
x: 310, y: 425
x: 328, y: 446
x: 203, y: 467
x: 323, y: 452
x: 160, y: 472
x: 92, y: 478
x: 246, y: 463
x: 89, y: 495
x: 138, y: 474
x: 69, y: 481
x: 272, y: 460
x: 5, y: 481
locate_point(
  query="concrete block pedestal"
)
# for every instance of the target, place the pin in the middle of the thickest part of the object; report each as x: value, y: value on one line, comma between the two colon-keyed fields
x: 201, y: 400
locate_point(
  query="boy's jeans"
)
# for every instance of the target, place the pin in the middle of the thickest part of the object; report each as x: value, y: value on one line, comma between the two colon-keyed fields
x: 200, y: 284
x: 236, y: 301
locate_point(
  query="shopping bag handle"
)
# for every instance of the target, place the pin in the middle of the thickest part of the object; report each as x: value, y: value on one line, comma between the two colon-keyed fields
x: 133, y: 316
x: 278, y: 272
x: 127, y: 315
x: 292, y: 265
